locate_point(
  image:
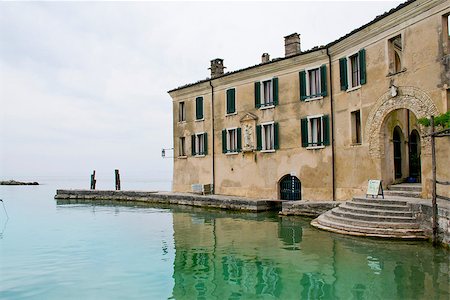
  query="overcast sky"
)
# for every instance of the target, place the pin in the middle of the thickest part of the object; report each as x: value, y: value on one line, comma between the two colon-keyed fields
x: 84, y: 85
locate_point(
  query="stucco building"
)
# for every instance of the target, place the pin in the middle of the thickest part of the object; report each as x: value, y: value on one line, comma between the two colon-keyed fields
x: 317, y: 124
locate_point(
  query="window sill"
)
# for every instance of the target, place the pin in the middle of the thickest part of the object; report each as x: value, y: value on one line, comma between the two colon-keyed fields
x: 231, y: 153
x: 182, y: 122
x: 182, y: 157
x: 355, y: 144
x: 267, y: 107
x: 315, y: 147
x: 353, y: 88
x: 231, y: 114
x: 199, y: 155
x: 313, y: 98
x: 200, y: 120
x: 268, y: 151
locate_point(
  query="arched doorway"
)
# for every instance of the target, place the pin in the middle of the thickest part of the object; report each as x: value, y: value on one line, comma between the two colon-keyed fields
x: 414, y: 156
x: 290, y: 188
x: 397, y: 141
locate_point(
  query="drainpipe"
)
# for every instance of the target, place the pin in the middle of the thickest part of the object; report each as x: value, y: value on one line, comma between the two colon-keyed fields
x: 332, y: 129
x: 213, y: 191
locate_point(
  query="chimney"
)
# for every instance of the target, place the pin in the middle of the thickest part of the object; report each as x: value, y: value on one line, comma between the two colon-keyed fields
x: 265, y: 58
x: 292, y: 44
x: 216, y: 67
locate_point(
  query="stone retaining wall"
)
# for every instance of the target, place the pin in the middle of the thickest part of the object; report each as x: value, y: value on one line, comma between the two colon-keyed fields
x: 424, y: 214
x: 307, y: 208
x: 211, y: 201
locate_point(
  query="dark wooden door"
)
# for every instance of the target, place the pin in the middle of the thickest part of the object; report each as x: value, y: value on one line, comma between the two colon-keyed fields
x: 414, y: 155
x: 397, y: 152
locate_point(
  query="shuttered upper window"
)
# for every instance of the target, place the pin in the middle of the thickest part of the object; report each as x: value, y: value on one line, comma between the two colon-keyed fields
x: 266, y: 93
x: 315, y: 131
x: 313, y: 83
x: 199, y: 108
x: 231, y: 101
x: 352, y: 70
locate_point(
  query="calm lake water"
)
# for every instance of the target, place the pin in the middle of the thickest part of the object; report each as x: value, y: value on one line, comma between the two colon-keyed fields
x: 95, y: 251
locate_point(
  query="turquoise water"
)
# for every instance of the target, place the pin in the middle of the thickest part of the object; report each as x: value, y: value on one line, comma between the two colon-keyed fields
x: 98, y: 251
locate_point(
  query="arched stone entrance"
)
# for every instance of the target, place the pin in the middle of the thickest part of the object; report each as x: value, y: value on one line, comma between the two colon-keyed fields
x: 290, y: 188
x: 409, y: 99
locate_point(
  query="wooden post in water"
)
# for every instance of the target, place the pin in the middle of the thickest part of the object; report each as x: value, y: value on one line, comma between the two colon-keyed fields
x: 117, y: 180
x: 433, y: 168
x: 93, y: 181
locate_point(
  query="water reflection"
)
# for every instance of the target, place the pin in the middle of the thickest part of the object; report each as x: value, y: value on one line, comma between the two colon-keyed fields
x: 242, y: 256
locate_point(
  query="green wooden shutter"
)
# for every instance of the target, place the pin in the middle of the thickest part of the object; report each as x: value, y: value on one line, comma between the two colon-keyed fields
x: 275, y: 90
x: 326, y: 130
x: 231, y: 98
x: 362, y: 66
x: 304, y: 128
x: 276, y: 143
x: 233, y: 101
x: 343, y: 73
x: 193, y: 145
x: 257, y: 94
x: 302, y: 77
x: 258, y: 137
x: 224, y: 141
x: 205, y: 137
x: 323, y: 80
x: 199, y: 108
x: 239, y: 142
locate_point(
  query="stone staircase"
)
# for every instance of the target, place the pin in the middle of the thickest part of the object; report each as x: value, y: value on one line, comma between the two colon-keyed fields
x: 409, y: 190
x: 391, y: 217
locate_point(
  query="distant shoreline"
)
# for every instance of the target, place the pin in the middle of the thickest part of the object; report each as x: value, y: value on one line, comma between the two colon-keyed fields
x: 14, y: 182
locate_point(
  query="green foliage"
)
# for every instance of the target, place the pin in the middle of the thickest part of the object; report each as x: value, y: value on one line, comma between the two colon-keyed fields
x: 441, y: 120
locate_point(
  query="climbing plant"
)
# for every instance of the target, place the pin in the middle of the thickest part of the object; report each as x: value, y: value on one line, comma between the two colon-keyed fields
x: 440, y: 120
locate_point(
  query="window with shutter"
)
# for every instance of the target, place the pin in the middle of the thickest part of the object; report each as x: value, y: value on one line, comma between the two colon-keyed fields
x: 267, y: 137
x: 266, y: 93
x: 343, y: 73
x: 199, y: 144
x: 315, y: 131
x: 231, y: 101
x: 231, y: 140
x: 313, y: 83
x: 353, y: 70
x: 199, y: 108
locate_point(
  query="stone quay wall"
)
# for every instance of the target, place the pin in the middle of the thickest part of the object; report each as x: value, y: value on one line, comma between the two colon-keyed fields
x: 208, y: 201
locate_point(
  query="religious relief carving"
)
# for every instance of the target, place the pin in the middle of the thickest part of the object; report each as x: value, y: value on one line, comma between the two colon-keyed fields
x: 248, y: 138
x: 248, y: 124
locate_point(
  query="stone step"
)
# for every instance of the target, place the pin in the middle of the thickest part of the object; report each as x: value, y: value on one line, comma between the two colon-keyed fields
x: 412, y: 187
x: 378, y: 206
x: 341, y: 213
x: 375, y: 212
x: 370, y: 224
x: 323, y: 223
x: 389, y: 201
x: 401, y: 193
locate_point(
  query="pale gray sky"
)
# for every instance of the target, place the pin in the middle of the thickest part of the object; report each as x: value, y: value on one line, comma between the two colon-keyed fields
x: 83, y: 85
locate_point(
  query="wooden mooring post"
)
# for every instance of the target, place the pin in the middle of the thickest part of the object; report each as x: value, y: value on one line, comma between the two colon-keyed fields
x: 117, y: 180
x: 93, y: 181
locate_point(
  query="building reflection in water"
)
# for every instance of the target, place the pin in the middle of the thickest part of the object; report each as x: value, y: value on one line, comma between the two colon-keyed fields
x: 243, y: 256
